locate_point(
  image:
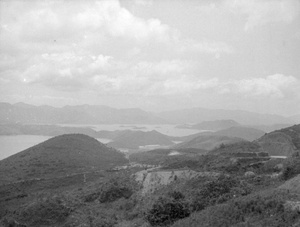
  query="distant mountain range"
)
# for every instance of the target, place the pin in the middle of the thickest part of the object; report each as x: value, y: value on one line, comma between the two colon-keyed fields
x: 196, y: 115
x: 83, y: 114
x: 89, y: 114
x: 211, y: 125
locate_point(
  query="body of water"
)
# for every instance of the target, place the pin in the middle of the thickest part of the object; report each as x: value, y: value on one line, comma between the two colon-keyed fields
x: 13, y: 144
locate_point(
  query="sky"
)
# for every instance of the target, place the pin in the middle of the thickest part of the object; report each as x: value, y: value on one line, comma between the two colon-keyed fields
x: 152, y: 54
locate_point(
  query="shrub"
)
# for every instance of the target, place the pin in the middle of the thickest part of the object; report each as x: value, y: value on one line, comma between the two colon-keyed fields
x: 218, y: 191
x: 167, y: 210
x: 291, y: 168
x: 112, y: 190
x: 48, y: 211
x: 255, y: 211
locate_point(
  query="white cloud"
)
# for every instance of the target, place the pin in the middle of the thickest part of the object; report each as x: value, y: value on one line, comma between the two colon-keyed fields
x: 164, y: 67
x: 65, y: 69
x: 144, y: 2
x: 211, y: 47
x: 261, y: 12
x: 276, y: 86
x: 44, y: 21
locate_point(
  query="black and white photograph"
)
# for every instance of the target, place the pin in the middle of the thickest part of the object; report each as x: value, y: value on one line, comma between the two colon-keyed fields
x: 141, y: 113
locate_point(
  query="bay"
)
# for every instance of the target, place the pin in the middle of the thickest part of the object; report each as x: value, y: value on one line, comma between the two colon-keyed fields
x: 13, y: 144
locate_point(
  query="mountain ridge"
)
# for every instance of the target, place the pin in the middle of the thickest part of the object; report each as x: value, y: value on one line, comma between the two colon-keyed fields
x: 80, y: 114
x: 194, y: 115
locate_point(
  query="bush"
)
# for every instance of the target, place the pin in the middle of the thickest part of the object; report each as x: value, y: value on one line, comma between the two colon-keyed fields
x: 112, y: 190
x: 48, y: 211
x: 254, y: 211
x: 291, y: 168
x: 167, y: 210
x: 218, y: 191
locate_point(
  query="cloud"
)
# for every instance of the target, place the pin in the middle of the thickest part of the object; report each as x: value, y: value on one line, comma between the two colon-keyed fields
x: 162, y: 68
x: 45, y: 21
x: 210, y: 47
x: 261, y: 12
x: 65, y: 70
x: 276, y: 86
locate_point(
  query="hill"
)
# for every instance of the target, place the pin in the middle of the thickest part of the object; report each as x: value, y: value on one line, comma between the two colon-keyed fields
x: 60, y: 156
x: 208, y: 142
x: 241, y: 132
x: 135, y: 139
x: 283, y: 142
x: 195, y: 115
x: 240, y: 147
x: 270, y: 128
x: 82, y: 114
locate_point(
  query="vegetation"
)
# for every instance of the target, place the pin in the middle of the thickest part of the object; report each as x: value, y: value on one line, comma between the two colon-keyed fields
x: 235, y: 185
x: 60, y: 156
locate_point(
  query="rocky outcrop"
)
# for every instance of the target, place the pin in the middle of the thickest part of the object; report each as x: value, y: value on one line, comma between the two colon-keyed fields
x: 151, y: 180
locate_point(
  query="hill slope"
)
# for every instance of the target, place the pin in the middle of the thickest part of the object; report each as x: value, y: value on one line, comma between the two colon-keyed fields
x: 135, y: 139
x: 60, y: 156
x: 283, y: 142
x: 208, y: 142
x: 241, y: 132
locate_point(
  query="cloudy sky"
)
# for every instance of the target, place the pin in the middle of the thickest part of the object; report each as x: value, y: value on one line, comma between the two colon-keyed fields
x: 156, y: 55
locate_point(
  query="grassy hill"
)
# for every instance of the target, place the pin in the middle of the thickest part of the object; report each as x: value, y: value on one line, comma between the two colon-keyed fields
x: 240, y: 147
x: 60, y: 156
x: 283, y: 142
x: 135, y: 139
x: 241, y: 132
x: 208, y: 142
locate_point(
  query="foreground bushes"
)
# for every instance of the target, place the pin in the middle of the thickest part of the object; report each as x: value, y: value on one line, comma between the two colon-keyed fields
x: 46, y: 211
x: 170, y: 206
x: 254, y: 211
x: 167, y: 210
x: 291, y: 168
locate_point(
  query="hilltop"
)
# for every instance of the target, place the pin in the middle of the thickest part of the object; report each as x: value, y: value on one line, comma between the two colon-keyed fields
x: 135, y: 139
x: 283, y: 142
x: 60, y: 156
